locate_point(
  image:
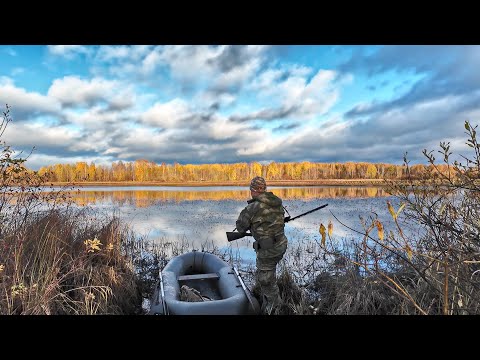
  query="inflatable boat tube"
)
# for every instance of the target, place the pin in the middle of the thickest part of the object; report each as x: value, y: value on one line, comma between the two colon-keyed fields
x: 212, y: 277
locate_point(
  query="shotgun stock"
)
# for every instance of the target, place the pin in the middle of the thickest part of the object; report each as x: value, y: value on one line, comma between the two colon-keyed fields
x: 235, y: 235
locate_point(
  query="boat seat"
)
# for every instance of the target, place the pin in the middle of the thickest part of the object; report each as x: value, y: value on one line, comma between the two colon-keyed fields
x: 198, y: 277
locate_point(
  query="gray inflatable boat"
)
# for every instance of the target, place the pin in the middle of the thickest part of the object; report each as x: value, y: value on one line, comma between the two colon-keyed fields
x: 220, y: 285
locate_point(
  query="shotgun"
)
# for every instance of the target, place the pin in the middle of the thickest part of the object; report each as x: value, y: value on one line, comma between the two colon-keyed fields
x: 235, y: 235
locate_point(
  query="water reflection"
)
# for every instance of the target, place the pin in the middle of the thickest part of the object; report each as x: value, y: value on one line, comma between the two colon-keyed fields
x: 202, y: 215
x: 145, y: 197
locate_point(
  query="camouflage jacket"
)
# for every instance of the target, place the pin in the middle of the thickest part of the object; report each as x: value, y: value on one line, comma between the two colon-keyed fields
x: 263, y: 216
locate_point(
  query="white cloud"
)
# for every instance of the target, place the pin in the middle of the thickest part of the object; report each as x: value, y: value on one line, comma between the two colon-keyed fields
x: 143, y: 143
x: 290, y: 95
x: 190, y: 62
x: 206, y: 99
x: 363, y: 106
x: 385, y: 136
x: 125, y: 61
x: 108, y: 53
x: 98, y: 128
x: 433, y: 104
x: 255, y: 50
x: 95, y: 141
x: 272, y: 76
x: 299, y: 70
x: 221, y: 128
x: 72, y: 90
x: 238, y: 75
x: 167, y: 115
x: 27, y: 135
x: 319, y: 95
x: 68, y: 51
x: 223, y: 66
x: 266, y: 79
x: 218, y: 68
x: 151, y: 61
x: 6, y: 81
x: 25, y: 103
x: 257, y: 148
x: 318, y: 133
x: 112, y: 150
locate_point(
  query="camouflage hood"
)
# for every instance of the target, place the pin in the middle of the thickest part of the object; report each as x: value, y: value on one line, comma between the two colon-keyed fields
x: 269, y: 199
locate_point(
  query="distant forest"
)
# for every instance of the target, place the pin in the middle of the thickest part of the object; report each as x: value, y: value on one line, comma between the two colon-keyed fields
x: 144, y: 170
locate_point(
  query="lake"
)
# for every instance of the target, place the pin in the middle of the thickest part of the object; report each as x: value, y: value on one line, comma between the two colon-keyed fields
x: 202, y: 215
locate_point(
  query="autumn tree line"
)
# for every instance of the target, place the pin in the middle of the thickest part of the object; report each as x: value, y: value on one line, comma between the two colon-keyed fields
x: 144, y: 170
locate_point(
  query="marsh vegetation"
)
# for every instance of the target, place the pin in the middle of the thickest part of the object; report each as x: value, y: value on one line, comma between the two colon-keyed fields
x: 60, y: 258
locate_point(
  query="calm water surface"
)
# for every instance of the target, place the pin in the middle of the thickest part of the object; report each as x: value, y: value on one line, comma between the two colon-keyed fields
x: 202, y: 215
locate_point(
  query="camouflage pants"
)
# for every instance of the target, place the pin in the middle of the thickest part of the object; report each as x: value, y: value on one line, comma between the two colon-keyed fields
x: 266, y: 262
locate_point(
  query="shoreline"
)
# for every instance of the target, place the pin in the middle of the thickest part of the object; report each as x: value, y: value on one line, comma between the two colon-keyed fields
x: 325, y: 182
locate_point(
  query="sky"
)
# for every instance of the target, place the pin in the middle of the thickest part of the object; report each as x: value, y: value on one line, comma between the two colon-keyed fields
x: 199, y: 104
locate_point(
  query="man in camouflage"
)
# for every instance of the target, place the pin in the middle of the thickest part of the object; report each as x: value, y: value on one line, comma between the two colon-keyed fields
x: 264, y: 217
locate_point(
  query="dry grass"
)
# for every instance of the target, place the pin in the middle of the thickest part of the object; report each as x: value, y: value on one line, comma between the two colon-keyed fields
x: 61, y: 262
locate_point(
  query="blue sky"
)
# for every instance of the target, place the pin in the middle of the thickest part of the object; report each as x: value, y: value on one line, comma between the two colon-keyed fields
x: 224, y: 104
